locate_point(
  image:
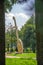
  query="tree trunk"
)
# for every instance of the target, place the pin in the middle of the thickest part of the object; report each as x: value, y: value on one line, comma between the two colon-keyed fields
x: 39, y: 31
x: 8, y: 47
x: 2, y: 34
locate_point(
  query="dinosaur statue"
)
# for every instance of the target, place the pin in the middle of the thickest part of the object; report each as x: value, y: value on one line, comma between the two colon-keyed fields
x: 19, y: 41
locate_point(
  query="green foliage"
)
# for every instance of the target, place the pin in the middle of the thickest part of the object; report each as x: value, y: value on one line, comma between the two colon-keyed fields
x: 8, y: 4
x: 9, y: 35
x: 39, y: 8
x: 28, y: 34
x: 7, y: 39
x: 10, y: 39
x: 27, y: 50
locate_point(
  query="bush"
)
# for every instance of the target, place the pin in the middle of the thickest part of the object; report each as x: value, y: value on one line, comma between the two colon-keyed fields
x: 11, y: 50
x: 27, y: 50
x: 5, y: 49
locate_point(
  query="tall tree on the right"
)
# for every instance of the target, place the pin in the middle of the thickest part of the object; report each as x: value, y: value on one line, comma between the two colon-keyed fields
x: 39, y: 31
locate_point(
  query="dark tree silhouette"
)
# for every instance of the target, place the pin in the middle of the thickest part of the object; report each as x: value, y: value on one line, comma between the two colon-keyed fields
x: 2, y: 33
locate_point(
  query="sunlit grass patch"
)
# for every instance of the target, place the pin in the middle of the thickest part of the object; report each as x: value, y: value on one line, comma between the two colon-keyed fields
x: 24, y: 55
x: 20, y: 61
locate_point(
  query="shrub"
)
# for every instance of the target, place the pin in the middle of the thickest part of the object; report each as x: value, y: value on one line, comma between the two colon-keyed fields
x: 27, y: 50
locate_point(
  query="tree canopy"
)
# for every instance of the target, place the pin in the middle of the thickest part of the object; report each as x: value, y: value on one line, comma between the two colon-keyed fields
x: 8, y: 4
x: 28, y: 34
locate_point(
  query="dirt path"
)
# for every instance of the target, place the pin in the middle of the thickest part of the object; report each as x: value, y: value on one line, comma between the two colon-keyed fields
x: 12, y: 57
x: 6, y: 56
x: 17, y: 57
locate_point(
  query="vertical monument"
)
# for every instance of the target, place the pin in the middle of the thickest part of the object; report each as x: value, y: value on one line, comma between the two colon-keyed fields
x: 19, y: 41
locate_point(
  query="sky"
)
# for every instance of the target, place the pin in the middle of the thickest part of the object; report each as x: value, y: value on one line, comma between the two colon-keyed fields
x: 20, y: 14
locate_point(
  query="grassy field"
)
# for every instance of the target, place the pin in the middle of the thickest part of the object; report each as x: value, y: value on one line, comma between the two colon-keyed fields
x: 25, y: 55
x: 20, y: 61
x: 26, y: 59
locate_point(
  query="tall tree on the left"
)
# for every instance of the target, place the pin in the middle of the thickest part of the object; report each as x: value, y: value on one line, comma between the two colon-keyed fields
x: 2, y: 34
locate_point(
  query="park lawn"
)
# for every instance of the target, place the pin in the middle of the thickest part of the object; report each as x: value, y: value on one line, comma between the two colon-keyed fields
x: 24, y: 55
x: 20, y: 61
x: 27, y: 55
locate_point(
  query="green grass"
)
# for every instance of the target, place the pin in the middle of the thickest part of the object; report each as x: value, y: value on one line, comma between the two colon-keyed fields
x: 26, y: 59
x: 25, y: 55
x: 28, y: 55
x: 20, y: 61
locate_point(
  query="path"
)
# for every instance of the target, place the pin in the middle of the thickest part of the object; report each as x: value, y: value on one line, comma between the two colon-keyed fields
x: 12, y: 57
x: 18, y: 57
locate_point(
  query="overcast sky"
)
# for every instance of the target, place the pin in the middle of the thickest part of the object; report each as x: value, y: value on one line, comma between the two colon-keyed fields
x: 18, y: 10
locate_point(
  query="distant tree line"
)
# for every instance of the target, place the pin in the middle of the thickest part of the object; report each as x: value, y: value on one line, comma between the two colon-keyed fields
x: 27, y: 35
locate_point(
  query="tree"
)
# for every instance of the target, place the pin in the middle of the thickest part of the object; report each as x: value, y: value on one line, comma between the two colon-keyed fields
x: 27, y: 34
x: 10, y: 39
x: 8, y: 4
x: 2, y: 33
x: 39, y: 31
x: 7, y: 40
x: 13, y: 38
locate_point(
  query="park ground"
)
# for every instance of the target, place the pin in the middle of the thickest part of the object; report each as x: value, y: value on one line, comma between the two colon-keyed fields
x: 21, y: 59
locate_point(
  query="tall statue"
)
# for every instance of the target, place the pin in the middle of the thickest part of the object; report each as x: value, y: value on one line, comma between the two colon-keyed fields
x: 19, y: 41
